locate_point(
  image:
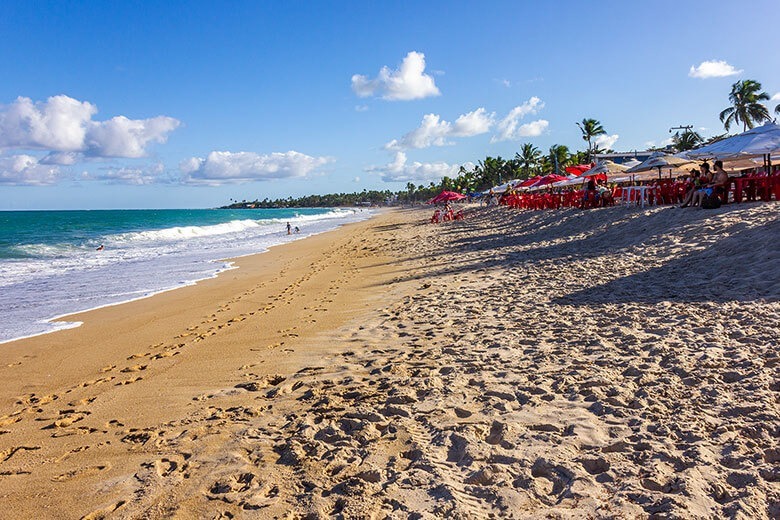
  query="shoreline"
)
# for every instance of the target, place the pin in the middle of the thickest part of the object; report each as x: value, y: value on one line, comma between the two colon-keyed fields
x: 227, y: 263
x: 514, y: 364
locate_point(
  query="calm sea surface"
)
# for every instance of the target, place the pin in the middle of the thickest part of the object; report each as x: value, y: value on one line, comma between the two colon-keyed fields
x: 50, y: 264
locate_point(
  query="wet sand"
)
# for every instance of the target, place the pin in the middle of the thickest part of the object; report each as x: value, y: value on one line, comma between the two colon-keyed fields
x: 612, y: 363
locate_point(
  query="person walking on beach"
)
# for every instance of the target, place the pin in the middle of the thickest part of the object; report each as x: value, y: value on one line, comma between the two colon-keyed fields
x: 289, y: 229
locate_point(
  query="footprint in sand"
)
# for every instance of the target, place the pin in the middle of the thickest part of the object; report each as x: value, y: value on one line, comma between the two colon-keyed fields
x: 82, y: 402
x: 100, y: 514
x: 10, y: 452
x: 8, y: 420
x: 129, y: 381
x: 165, y: 354
x: 134, y: 368
x: 81, y: 472
x: 96, y: 381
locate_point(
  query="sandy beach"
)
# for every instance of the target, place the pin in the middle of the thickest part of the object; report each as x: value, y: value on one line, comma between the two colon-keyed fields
x: 611, y: 363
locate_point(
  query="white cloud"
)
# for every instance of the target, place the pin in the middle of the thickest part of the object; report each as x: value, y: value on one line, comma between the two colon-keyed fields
x: 21, y: 170
x: 713, y: 69
x: 606, y: 141
x: 401, y: 171
x: 361, y: 108
x: 238, y: 167
x: 433, y: 131
x: 356, y: 179
x: 123, y: 137
x: 509, y: 128
x: 406, y: 83
x: 533, y: 129
x: 136, y: 176
x: 63, y: 125
x: 474, y: 123
x: 776, y: 97
x: 58, y: 124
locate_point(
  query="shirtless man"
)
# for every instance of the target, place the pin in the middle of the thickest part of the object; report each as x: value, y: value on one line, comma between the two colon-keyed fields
x: 720, y: 181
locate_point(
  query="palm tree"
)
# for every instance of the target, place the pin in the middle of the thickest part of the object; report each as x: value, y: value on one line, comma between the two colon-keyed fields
x: 590, y: 128
x: 558, y: 157
x: 528, y: 157
x: 746, y: 108
x: 688, y: 140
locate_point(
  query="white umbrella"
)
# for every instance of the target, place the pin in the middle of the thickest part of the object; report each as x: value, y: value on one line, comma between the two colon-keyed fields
x: 607, y: 167
x: 757, y: 142
x: 659, y: 160
x: 571, y: 181
x: 501, y: 188
x: 631, y: 163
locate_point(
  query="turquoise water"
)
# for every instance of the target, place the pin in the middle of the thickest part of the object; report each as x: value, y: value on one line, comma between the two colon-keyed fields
x: 22, y: 231
x: 50, y: 264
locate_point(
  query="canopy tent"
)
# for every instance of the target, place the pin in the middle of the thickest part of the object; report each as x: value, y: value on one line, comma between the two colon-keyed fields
x: 760, y: 141
x: 446, y: 196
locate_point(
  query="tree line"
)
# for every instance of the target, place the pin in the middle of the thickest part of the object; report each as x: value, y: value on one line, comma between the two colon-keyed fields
x: 747, y: 109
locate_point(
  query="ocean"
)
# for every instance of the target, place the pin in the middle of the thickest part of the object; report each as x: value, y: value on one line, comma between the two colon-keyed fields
x: 52, y: 263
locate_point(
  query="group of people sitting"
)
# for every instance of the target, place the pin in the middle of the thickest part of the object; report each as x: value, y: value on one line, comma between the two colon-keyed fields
x: 597, y: 194
x: 707, y: 186
x: 443, y: 215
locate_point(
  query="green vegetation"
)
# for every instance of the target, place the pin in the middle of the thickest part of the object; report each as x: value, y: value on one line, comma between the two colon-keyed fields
x: 746, y: 107
x: 590, y: 128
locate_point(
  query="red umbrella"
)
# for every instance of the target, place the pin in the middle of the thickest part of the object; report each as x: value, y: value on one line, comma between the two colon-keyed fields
x: 528, y: 182
x: 445, y: 196
x: 579, y: 169
x: 548, y: 179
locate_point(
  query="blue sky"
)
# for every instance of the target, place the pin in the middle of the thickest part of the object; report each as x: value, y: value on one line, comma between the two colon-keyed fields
x: 189, y: 104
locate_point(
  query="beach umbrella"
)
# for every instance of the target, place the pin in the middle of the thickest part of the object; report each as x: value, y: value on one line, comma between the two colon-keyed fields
x: 529, y: 182
x: 446, y: 196
x: 659, y: 160
x: 631, y: 163
x: 546, y: 180
x: 607, y: 167
x: 578, y: 169
x: 501, y: 188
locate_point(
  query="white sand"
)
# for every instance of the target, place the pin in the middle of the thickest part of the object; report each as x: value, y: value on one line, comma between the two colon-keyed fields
x: 612, y: 363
